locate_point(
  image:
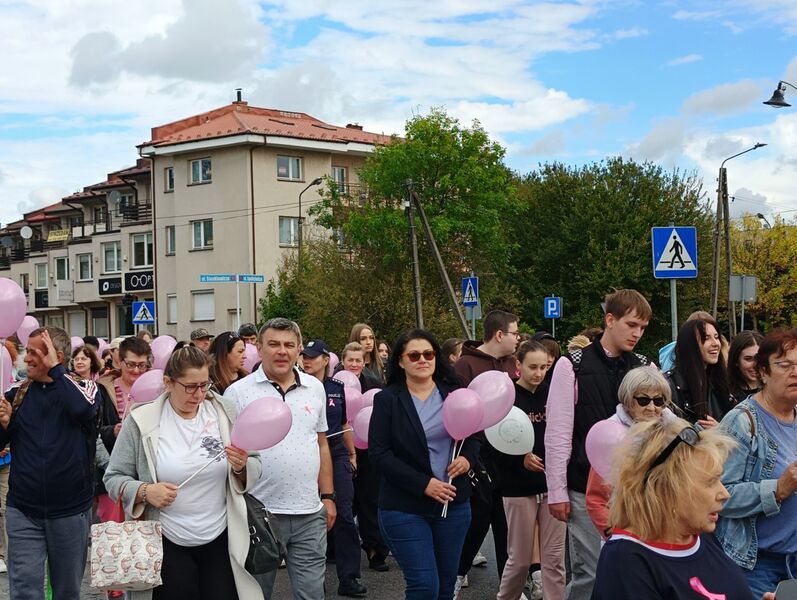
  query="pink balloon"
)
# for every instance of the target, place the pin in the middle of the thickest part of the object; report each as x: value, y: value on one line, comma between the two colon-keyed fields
x: 252, y: 357
x: 349, y: 379
x: 361, y: 423
x: 13, y: 306
x: 262, y: 424
x: 368, y: 397
x: 8, y: 374
x: 103, y: 346
x: 162, y: 348
x: 602, y: 439
x: 147, y: 387
x: 333, y: 362
x: 358, y: 443
x: 463, y: 411
x: 76, y: 342
x: 354, y: 402
x: 28, y: 325
x: 498, y: 393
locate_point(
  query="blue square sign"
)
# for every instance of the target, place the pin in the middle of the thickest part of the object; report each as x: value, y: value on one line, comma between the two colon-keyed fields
x: 143, y: 312
x: 674, y: 252
x: 553, y: 307
x: 470, y: 291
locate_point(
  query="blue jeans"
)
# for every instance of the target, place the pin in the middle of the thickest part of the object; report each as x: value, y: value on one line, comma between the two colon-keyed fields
x: 62, y: 541
x: 770, y: 569
x: 411, y: 537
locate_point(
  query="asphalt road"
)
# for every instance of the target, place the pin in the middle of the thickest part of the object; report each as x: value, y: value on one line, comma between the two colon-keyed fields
x: 381, y: 586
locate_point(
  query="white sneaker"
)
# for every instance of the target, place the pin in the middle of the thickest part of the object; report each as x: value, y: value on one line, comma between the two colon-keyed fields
x: 3, y: 568
x: 523, y: 597
x: 535, y: 586
x: 461, y: 579
x: 479, y: 560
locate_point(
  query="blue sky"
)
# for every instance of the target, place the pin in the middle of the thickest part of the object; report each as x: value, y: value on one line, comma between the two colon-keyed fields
x: 677, y: 82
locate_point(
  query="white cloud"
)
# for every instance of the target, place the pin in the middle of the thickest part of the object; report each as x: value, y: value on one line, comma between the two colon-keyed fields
x: 633, y: 32
x: 552, y: 143
x: 684, y: 60
x: 663, y: 143
x: 696, y: 15
x: 745, y: 200
x: 724, y: 99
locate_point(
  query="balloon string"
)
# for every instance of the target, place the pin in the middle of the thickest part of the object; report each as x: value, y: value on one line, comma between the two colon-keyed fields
x: 202, y: 468
x: 331, y: 435
x: 454, y: 456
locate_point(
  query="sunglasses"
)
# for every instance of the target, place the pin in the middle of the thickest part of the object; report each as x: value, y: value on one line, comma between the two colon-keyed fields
x: 688, y: 435
x: 645, y: 400
x: 415, y: 356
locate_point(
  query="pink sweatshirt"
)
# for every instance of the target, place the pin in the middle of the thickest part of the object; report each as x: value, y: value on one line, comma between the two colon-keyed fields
x: 560, y: 415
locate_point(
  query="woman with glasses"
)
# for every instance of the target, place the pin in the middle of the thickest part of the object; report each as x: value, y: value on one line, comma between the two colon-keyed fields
x: 409, y: 445
x: 742, y: 373
x: 665, y: 505
x: 758, y: 528
x: 644, y: 395
x: 135, y: 359
x: 699, y: 380
x: 228, y: 354
x: 205, y: 530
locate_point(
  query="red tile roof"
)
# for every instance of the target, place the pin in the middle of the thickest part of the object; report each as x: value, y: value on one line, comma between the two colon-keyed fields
x: 142, y: 167
x: 239, y: 118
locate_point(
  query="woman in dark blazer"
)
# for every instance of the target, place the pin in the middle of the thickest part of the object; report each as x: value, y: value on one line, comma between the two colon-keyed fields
x: 409, y: 446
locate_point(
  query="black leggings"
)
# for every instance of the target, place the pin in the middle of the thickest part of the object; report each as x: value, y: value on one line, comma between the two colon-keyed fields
x: 483, y: 515
x: 196, y: 572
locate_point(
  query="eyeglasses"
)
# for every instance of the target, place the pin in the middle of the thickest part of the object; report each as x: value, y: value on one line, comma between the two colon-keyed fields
x: 136, y: 366
x: 415, y: 356
x: 191, y: 388
x: 645, y: 400
x: 515, y: 333
x: 784, y: 365
x: 687, y: 435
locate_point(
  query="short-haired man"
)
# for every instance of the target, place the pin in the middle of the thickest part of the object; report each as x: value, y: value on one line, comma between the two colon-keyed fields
x: 248, y: 333
x: 296, y: 484
x: 496, y: 353
x: 50, y: 421
x: 583, y: 392
x: 201, y: 338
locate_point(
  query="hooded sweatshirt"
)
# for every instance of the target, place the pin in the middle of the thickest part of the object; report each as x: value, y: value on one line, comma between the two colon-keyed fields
x: 473, y: 362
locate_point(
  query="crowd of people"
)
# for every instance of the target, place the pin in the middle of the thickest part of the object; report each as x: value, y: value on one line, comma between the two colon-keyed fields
x: 698, y: 502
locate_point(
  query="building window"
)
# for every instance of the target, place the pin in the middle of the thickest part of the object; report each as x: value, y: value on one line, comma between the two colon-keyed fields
x: 84, y: 267
x: 171, y: 239
x: 289, y: 167
x: 200, y: 171
x: 168, y: 179
x: 99, y: 322
x: 142, y: 250
x: 202, y: 234
x: 127, y: 207
x: 204, y: 305
x: 24, y: 282
x: 171, y: 308
x: 62, y: 268
x: 339, y: 176
x: 112, y: 257
x: 100, y: 214
x: 41, y: 276
x: 289, y: 231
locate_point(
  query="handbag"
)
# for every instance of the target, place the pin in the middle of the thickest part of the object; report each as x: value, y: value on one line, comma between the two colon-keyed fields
x: 126, y: 556
x: 266, y: 549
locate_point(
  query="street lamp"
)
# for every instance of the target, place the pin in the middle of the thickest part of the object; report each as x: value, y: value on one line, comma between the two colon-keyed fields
x: 778, y: 99
x: 767, y: 224
x: 723, y: 217
x: 316, y: 181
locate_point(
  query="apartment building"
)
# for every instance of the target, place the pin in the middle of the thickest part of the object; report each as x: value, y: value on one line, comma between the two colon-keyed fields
x: 226, y: 187
x: 78, y: 258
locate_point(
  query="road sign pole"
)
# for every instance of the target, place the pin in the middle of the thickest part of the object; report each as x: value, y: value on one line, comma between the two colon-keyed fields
x: 674, y: 309
x: 741, y: 325
x: 553, y: 327
x: 237, y: 303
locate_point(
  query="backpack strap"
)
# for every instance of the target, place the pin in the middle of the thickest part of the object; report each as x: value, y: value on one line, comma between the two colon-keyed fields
x: 643, y: 360
x: 575, y: 358
x: 749, y: 414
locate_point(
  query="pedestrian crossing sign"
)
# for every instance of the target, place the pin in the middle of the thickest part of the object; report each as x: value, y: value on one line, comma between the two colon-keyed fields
x: 143, y: 313
x: 470, y: 291
x: 674, y: 252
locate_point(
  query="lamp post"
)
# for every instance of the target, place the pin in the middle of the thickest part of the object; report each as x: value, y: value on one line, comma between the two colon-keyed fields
x: 316, y: 181
x: 761, y: 217
x: 723, y: 217
x: 778, y: 99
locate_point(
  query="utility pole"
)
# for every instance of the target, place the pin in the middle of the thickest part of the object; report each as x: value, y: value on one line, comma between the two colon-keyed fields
x: 715, y: 275
x: 416, y: 276
x: 728, y: 264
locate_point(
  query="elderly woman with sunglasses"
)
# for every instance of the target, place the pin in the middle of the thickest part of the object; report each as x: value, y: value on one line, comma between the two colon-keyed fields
x: 758, y: 526
x: 161, y: 445
x: 644, y: 395
x: 409, y: 445
x: 665, y: 505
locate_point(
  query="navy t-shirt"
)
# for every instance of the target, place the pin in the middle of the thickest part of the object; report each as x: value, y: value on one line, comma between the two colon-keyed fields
x: 629, y: 569
x: 336, y: 415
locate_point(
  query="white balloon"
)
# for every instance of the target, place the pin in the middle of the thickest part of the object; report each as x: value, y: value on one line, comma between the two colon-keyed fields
x: 514, y: 434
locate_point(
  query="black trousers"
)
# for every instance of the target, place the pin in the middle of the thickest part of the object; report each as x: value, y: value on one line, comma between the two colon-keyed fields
x: 366, y: 496
x: 198, y: 572
x: 344, y: 534
x: 483, y: 515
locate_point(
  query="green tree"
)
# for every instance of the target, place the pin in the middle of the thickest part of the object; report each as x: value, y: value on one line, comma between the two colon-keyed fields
x: 586, y: 230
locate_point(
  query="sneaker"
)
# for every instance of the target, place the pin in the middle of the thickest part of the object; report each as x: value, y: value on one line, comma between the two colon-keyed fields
x: 465, y: 581
x: 535, y: 586
x: 459, y: 585
x: 479, y: 560
x: 3, y: 567
x: 377, y: 563
x: 353, y: 588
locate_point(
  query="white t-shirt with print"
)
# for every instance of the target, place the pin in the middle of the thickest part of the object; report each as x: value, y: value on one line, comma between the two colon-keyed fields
x: 199, y: 513
x: 289, y: 483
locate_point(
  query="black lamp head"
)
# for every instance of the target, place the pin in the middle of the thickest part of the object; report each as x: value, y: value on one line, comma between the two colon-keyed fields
x: 778, y: 100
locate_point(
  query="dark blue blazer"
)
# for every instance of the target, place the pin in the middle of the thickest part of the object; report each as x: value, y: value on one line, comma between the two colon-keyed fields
x: 398, y: 449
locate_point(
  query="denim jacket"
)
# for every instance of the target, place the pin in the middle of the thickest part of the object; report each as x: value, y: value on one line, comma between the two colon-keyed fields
x: 748, y: 478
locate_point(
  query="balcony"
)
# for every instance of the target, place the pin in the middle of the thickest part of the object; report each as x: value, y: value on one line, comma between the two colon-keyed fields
x: 135, y: 214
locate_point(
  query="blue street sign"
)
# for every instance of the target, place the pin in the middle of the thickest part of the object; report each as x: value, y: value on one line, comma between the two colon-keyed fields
x: 553, y: 307
x: 674, y: 252
x: 143, y: 313
x: 224, y: 278
x: 252, y: 278
x: 470, y: 291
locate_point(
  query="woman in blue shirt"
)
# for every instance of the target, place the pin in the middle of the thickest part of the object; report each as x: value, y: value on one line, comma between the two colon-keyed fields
x: 409, y: 445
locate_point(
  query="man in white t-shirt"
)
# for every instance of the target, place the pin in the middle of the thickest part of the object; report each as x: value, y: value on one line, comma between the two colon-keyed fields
x: 296, y: 484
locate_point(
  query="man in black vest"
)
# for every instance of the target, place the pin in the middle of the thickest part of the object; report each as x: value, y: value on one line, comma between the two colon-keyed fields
x: 583, y: 392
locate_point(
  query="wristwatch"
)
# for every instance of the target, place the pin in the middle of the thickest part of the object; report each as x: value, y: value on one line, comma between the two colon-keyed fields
x: 333, y: 496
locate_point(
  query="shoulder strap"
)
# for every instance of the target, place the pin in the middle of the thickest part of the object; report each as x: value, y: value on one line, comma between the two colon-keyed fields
x: 575, y: 357
x: 749, y: 414
x: 22, y: 390
x: 642, y: 359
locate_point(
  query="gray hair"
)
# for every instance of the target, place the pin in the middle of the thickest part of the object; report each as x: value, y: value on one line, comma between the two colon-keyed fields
x: 647, y: 379
x: 60, y: 339
x: 281, y: 324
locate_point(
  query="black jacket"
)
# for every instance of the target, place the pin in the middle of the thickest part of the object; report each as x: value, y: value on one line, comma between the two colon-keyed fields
x: 397, y: 449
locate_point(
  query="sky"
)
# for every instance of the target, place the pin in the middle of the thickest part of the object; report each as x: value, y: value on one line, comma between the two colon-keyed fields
x: 677, y: 82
